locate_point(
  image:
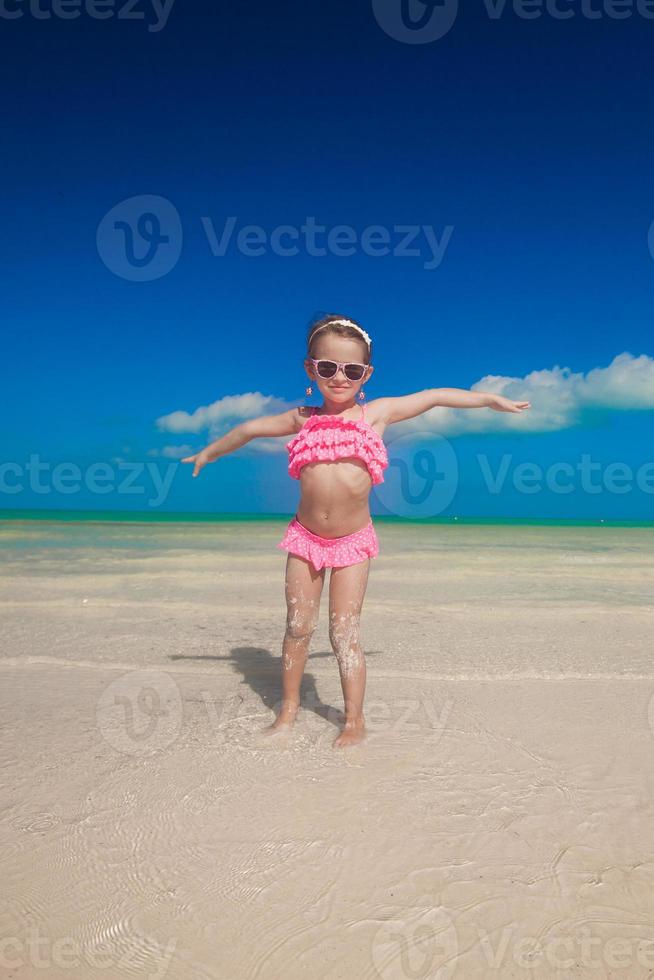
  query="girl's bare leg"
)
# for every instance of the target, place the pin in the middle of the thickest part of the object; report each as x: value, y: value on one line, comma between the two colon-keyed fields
x: 347, y: 588
x: 303, y: 590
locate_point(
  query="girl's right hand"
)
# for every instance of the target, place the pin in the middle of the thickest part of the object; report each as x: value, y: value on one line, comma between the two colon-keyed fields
x: 200, y: 459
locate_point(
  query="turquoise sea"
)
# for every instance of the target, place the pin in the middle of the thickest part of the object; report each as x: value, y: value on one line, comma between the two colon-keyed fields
x: 157, y: 517
x: 37, y: 532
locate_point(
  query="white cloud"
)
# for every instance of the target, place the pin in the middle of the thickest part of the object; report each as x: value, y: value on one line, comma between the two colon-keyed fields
x: 172, y: 452
x: 222, y: 414
x: 628, y: 382
x: 560, y: 399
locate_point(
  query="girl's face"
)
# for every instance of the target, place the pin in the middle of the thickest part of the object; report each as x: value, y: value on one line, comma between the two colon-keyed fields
x: 343, y: 350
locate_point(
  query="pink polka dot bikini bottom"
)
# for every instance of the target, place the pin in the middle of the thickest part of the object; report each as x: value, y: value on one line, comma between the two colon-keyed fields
x: 330, y: 552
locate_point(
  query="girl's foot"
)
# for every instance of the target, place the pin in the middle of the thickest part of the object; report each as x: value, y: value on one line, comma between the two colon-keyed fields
x: 353, y: 732
x: 284, y: 720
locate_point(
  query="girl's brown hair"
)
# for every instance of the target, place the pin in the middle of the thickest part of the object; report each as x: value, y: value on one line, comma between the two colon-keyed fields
x: 339, y: 329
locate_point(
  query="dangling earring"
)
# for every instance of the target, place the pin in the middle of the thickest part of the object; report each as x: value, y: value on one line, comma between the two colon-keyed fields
x: 309, y: 390
x: 362, y: 394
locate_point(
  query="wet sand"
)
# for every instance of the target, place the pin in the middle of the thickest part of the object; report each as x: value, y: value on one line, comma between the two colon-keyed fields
x: 498, y: 821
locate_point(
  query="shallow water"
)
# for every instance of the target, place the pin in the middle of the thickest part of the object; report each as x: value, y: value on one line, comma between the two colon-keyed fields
x: 503, y: 794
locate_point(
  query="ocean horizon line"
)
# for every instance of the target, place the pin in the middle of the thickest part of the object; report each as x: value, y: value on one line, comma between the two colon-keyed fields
x: 208, y: 517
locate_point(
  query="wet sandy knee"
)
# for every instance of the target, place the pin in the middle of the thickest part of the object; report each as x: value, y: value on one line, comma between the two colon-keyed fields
x: 302, y: 620
x: 344, y: 632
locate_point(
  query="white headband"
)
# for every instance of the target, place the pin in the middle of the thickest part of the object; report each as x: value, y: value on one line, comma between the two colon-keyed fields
x: 348, y: 323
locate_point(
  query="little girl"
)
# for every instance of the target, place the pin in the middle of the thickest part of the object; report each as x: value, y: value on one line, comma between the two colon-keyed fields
x: 337, y: 454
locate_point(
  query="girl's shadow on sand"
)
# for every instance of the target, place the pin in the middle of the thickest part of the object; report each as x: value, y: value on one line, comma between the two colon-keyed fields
x: 260, y: 671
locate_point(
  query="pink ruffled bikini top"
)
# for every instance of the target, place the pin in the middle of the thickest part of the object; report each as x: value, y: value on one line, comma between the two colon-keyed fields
x: 325, y: 438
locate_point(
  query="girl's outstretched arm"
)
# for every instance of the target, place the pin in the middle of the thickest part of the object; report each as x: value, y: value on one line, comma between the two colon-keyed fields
x: 267, y: 425
x: 408, y: 406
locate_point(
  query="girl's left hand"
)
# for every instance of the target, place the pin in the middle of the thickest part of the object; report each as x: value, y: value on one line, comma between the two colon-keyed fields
x: 501, y: 404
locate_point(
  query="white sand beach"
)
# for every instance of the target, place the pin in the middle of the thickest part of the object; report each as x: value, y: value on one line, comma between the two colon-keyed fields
x: 497, y: 822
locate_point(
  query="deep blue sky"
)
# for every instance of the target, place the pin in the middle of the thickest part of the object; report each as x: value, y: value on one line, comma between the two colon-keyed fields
x: 532, y: 139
